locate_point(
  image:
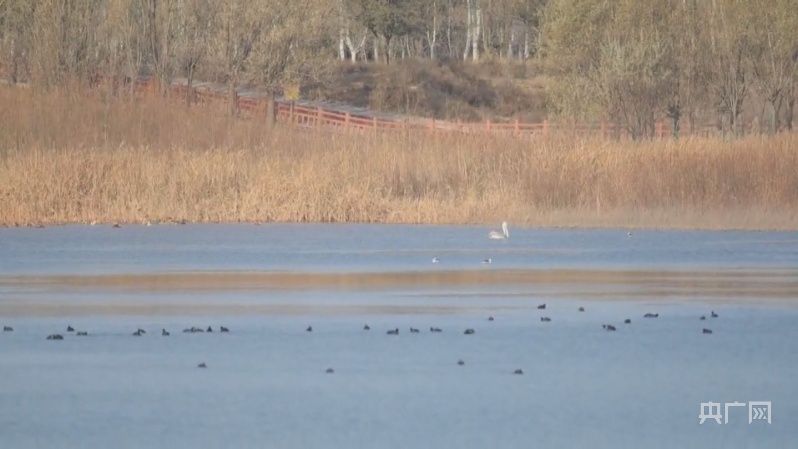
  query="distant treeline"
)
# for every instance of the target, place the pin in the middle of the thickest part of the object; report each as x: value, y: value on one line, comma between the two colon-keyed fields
x: 630, y: 61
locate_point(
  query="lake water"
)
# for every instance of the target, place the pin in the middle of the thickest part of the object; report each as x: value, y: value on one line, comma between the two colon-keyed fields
x: 265, y: 383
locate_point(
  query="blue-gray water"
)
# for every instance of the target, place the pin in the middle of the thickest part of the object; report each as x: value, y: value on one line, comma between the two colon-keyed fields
x: 266, y: 386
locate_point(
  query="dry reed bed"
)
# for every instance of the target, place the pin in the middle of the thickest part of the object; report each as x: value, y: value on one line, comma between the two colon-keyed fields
x: 83, y: 157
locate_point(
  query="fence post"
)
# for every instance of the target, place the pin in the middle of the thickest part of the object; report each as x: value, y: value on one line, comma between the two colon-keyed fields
x: 271, y: 115
x: 318, y: 116
x: 291, y: 114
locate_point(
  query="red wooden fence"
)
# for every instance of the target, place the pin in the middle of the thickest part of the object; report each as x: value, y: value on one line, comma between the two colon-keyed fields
x: 310, y: 115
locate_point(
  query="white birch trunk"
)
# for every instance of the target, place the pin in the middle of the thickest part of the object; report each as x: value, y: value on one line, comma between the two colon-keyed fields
x: 355, y: 49
x: 432, y: 39
x: 526, y: 44
x: 476, y: 32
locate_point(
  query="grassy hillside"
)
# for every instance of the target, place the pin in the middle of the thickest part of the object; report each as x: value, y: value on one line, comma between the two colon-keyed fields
x: 499, y: 91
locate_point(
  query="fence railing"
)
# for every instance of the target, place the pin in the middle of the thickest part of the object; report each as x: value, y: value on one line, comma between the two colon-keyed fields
x: 318, y: 115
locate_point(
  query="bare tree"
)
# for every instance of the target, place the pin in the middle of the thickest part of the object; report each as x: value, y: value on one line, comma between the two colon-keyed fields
x: 773, y: 35
x: 386, y: 19
x: 16, y: 20
x: 195, y: 24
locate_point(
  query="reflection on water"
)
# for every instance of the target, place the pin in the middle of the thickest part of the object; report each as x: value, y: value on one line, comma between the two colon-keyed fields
x: 284, y: 268
x: 393, y: 292
x: 376, y: 248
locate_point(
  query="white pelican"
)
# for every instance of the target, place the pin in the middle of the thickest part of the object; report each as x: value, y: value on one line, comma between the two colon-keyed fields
x: 505, y: 234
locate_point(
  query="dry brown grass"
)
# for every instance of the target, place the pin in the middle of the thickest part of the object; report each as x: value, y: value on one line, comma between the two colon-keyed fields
x: 68, y: 158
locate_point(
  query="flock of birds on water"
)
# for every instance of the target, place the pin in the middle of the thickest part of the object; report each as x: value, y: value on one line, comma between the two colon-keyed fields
x: 469, y: 331
x: 504, y: 234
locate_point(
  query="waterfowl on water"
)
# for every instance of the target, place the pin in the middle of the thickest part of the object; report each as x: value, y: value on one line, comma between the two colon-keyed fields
x: 486, y: 261
x: 545, y: 319
x: 138, y: 333
x: 542, y: 307
x: 435, y: 260
x: 210, y: 329
x: 309, y: 329
x: 8, y: 329
x: 70, y: 329
x: 518, y: 371
x: 505, y: 234
x: 366, y: 328
x: 82, y: 334
x: 702, y: 318
x: 461, y: 362
x: 223, y: 329
x: 329, y: 371
x: 470, y: 332
x: 581, y: 309
x: 55, y: 337
x: 164, y: 333
x: 608, y: 327
x: 202, y: 365
x: 714, y: 315
x: 651, y: 315
x: 116, y: 226
x: 490, y: 318
x: 393, y: 332
x: 413, y: 330
x: 435, y: 329
x: 706, y: 331
x: 627, y: 321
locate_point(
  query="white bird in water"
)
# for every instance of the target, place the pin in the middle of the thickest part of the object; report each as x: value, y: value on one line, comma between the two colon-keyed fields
x: 486, y: 261
x: 435, y: 260
x: 505, y: 234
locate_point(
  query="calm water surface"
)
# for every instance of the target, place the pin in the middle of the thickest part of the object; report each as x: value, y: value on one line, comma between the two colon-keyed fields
x: 266, y: 386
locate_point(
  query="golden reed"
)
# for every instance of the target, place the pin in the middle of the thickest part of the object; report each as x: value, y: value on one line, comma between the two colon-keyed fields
x: 79, y: 157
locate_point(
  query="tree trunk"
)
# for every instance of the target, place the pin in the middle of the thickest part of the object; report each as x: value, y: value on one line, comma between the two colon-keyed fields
x: 434, y: 30
x: 271, y: 116
x: 770, y: 106
x: 341, y: 45
x: 510, y: 43
x: 189, y: 82
x: 469, y: 26
x: 232, y: 97
x: 449, y: 31
x: 387, y: 49
x: 476, y: 33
